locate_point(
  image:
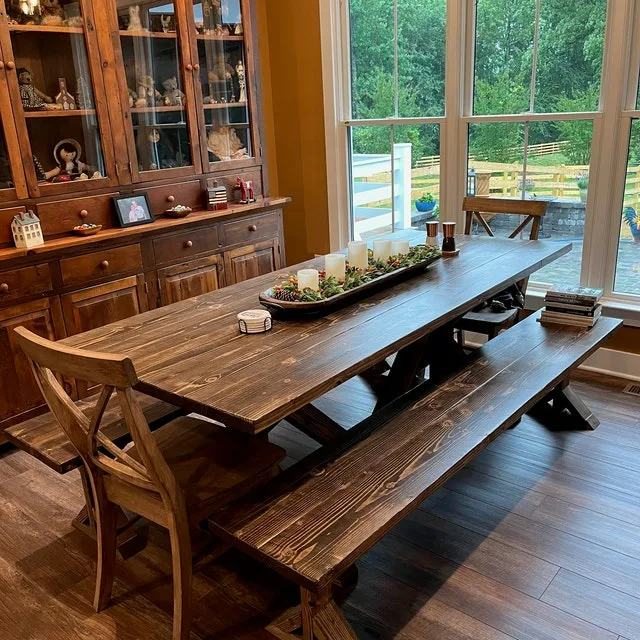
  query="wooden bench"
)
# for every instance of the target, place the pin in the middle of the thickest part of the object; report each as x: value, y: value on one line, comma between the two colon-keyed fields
x: 45, y: 440
x: 316, y: 519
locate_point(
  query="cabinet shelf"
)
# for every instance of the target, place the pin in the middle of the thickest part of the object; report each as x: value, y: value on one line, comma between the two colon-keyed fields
x: 225, y: 105
x: 37, y: 28
x: 161, y: 109
x: 211, y: 36
x: 60, y: 114
x: 147, y: 34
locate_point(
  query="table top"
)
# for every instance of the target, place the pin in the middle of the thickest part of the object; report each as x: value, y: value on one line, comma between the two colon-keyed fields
x: 192, y: 354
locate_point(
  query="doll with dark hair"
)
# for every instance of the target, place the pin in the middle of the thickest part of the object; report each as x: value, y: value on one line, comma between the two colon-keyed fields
x: 69, y: 166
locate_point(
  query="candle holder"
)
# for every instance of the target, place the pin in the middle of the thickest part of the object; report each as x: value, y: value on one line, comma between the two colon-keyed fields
x: 449, y: 241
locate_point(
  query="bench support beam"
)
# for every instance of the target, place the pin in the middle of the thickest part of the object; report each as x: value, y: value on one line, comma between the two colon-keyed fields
x: 316, y: 424
x: 322, y: 618
x: 564, y: 397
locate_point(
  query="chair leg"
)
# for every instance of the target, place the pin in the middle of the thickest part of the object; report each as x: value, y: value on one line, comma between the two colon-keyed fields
x: 181, y: 562
x: 107, y: 538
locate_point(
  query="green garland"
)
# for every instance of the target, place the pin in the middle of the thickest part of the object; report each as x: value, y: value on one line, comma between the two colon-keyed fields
x: 354, y: 277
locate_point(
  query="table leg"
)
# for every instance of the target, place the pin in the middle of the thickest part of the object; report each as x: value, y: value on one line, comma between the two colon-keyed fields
x: 322, y: 618
x: 129, y: 541
x: 316, y: 424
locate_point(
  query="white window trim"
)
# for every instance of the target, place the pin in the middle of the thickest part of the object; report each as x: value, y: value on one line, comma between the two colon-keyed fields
x: 621, y: 68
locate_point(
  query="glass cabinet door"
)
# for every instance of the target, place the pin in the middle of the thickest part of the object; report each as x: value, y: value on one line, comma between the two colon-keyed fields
x: 53, y: 90
x: 223, y: 75
x: 153, y: 40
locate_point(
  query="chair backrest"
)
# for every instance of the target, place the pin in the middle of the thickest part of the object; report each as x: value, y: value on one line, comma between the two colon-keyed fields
x: 116, y: 374
x: 534, y: 210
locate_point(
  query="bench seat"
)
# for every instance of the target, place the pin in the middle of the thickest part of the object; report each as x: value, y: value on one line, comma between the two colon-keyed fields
x: 45, y: 440
x: 311, y: 528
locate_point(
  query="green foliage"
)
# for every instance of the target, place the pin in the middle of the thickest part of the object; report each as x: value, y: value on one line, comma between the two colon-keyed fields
x: 427, y: 197
x: 583, y: 181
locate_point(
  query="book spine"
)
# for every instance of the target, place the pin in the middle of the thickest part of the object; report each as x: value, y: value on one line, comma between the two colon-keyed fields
x: 579, y: 300
x: 588, y: 312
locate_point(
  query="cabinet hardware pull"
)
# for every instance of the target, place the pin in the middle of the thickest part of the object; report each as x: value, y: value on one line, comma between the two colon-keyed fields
x: 84, y: 213
x: 189, y: 67
x: 1, y: 64
x: 171, y: 198
x: 104, y: 264
x: 4, y: 288
x: 188, y: 244
x: 252, y: 227
x: 196, y: 67
x: 11, y: 65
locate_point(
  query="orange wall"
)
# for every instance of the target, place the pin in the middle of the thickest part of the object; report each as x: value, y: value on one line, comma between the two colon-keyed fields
x: 293, y: 111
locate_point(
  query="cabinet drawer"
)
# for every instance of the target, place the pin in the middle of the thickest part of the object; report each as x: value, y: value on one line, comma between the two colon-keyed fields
x: 189, y: 194
x: 99, y: 265
x: 21, y: 283
x: 61, y: 216
x: 249, y: 229
x: 186, y: 244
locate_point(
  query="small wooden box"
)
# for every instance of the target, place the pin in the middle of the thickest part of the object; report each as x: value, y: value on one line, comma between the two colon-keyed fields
x: 217, y: 198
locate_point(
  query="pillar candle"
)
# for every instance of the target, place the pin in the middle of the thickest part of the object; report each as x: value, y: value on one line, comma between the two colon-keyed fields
x: 399, y: 247
x: 381, y: 249
x: 308, y: 279
x: 334, y: 265
x: 358, y: 255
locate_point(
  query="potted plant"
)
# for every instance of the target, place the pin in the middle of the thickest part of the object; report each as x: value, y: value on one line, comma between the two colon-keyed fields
x: 583, y: 185
x: 426, y: 204
x: 633, y: 221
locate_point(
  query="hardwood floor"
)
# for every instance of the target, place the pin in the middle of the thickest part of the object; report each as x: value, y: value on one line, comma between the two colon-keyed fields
x: 538, y: 539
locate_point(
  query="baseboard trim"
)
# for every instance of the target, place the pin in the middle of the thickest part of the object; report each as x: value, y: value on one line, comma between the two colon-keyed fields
x: 610, y: 362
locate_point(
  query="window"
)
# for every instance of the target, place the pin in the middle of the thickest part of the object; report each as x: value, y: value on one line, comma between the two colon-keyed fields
x: 525, y: 106
x: 397, y: 73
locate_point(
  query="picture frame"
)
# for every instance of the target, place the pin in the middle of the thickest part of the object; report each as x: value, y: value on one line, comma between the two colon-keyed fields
x: 132, y: 210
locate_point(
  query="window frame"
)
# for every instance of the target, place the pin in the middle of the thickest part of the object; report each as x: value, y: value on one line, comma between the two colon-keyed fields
x: 611, y: 127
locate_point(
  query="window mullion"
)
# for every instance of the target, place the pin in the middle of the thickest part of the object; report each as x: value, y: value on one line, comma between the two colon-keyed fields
x: 534, y: 61
x: 396, y: 62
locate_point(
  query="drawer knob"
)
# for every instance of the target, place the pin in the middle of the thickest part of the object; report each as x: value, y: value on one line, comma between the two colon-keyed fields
x: 1, y: 64
x: 11, y: 65
x: 189, y: 67
x: 188, y: 244
x: 84, y: 213
x: 171, y: 198
x: 252, y: 227
x: 196, y: 67
x: 4, y: 288
x: 104, y: 264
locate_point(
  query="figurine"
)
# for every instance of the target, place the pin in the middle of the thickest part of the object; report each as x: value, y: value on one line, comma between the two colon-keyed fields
x: 239, y: 30
x: 52, y: 13
x: 225, y: 144
x: 248, y: 193
x: 242, y: 81
x: 172, y: 96
x: 26, y: 230
x: 32, y: 99
x: 165, y: 21
x: 133, y: 98
x: 64, y: 98
x: 30, y: 11
x: 41, y: 174
x: 67, y: 156
x: 162, y: 153
x: 148, y: 95
x: 222, y: 69
x: 135, y: 24
x: 84, y: 96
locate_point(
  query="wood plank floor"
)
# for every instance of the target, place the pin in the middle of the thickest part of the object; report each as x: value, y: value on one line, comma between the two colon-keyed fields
x: 538, y: 539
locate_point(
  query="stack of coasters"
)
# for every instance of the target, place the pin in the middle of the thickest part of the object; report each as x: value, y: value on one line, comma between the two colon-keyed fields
x: 254, y: 321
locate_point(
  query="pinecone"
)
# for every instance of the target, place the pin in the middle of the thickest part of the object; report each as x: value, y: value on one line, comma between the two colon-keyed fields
x: 286, y: 295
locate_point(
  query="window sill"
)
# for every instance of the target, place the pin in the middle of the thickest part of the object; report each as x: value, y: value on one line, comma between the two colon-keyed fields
x: 629, y: 312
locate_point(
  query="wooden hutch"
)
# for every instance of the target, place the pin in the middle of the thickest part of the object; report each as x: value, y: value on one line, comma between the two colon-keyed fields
x: 199, y: 127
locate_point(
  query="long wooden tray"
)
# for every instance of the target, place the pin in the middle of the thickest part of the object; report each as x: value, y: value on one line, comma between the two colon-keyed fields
x: 286, y: 309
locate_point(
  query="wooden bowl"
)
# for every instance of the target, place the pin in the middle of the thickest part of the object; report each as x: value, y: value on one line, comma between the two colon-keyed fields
x: 88, y: 232
x: 172, y: 213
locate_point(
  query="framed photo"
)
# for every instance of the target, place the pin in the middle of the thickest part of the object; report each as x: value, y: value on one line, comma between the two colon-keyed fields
x: 132, y: 210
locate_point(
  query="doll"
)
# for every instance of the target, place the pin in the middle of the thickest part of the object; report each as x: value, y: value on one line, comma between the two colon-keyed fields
x: 147, y: 92
x: 242, y: 81
x: 225, y: 144
x: 135, y: 24
x: 69, y: 166
x: 162, y: 153
x: 32, y: 98
x: 172, y: 96
x: 52, y: 13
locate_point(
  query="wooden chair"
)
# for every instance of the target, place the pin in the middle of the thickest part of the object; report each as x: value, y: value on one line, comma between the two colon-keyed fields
x: 176, y: 476
x: 484, y: 320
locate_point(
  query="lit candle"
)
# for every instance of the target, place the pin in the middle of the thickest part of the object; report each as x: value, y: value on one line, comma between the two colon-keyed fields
x: 381, y: 249
x: 335, y: 266
x: 399, y: 247
x: 308, y: 279
x: 358, y: 255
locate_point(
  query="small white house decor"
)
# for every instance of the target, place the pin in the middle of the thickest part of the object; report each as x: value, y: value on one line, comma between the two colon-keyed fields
x: 26, y: 230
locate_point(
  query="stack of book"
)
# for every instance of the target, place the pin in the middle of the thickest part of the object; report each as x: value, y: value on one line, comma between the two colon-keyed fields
x: 573, y: 306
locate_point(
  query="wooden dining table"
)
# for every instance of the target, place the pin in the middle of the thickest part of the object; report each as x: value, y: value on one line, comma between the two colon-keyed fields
x: 192, y: 354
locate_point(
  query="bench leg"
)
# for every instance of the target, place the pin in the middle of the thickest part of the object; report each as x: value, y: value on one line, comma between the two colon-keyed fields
x: 322, y: 618
x: 316, y: 424
x: 564, y: 397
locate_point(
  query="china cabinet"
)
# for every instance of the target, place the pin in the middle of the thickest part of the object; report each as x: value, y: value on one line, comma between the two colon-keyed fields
x: 103, y: 98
